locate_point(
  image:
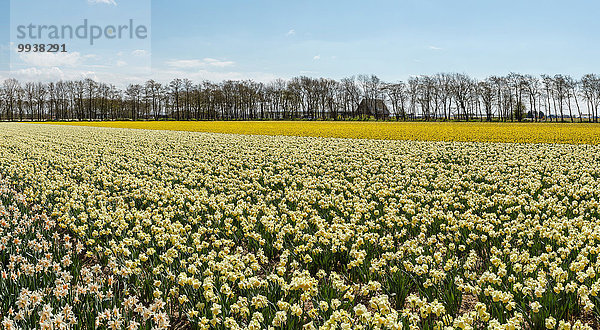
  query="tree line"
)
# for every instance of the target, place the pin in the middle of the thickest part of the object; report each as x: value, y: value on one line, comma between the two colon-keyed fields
x: 443, y: 96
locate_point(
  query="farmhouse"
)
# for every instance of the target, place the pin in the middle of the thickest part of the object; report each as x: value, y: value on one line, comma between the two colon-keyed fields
x: 373, y: 107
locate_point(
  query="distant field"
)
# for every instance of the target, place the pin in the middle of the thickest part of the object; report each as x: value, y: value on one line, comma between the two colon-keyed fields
x: 473, y: 132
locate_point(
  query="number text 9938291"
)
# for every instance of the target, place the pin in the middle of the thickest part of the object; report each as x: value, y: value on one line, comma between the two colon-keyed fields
x: 42, y: 48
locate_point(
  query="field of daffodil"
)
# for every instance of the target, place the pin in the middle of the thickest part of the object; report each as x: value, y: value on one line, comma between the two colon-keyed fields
x: 420, y: 131
x: 142, y: 229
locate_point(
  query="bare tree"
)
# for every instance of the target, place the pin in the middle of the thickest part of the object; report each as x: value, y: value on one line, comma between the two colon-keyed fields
x: 461, y: 88
x: 397, y: 95
x: 187, y: 87
x: 40, y: 95
x: 175, y: 88
x: 486, y: 92
x: 532, y: 86
x: 590, y: 84
x: 11, y: 88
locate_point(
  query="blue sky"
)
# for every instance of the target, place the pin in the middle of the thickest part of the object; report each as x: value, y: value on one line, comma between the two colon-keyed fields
x: 264, y: 40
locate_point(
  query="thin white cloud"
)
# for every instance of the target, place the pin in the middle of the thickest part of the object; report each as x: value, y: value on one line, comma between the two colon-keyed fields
x: 48, y: 74
x: 39, y: 74
x: 121, y: 63
x: 290, y: 33
x: 197, y: 76
x: 139, y: 52
x: 52, y: 59
x: 132, y: 75
x: 218, y: 63
x: 106, y: 2
x: 185, y: 63
x: 435, y: 48
x: 317, y: 57
x: 206, y: 62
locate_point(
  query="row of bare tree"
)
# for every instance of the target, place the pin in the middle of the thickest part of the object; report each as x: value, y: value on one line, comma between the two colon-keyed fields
x: 444, y: 96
